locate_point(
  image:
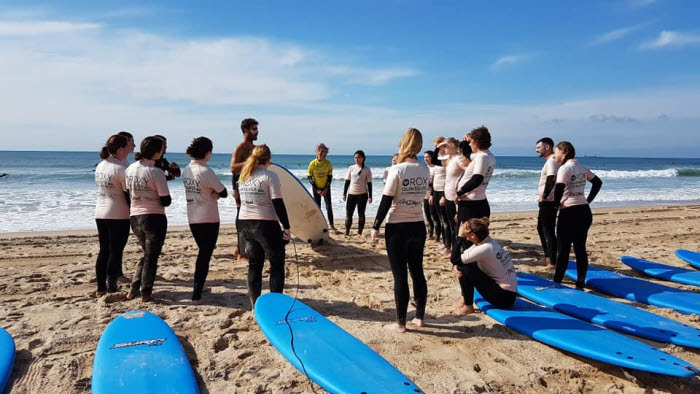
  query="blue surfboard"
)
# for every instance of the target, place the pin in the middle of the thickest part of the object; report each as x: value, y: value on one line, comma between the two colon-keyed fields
x: 139, y: 353
x: 585, y: 339
x: 606, y: 312
x: 639, y: 290
x: 663, y: 271
x: 692, y: 258
x: 7, y: 357
x: 334, y: 359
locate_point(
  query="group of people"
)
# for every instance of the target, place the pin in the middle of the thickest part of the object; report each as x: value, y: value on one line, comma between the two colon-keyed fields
x: 449, y: 192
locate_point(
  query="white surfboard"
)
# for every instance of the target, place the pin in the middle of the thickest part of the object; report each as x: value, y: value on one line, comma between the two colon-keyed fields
x: 305, y: 217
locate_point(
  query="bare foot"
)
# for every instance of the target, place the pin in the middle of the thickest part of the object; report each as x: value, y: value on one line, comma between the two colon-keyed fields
x: 242, y: 259
x: 463, y: 311
x: 460, y: 303
x: 418, y: 322
x: 395, y: 327
x: 98, y: 294
x: 551, y: 267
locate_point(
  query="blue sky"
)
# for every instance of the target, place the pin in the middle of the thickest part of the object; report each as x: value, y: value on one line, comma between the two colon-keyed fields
x: 616, y: 78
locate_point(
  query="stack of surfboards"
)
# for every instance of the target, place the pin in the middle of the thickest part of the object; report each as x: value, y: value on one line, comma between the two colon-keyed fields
x: 7, y: 357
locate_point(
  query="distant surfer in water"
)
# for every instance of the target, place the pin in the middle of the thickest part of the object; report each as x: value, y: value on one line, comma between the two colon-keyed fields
x: 249, y: 128
x: 402, y: 203
x: 357, y: 191
x: 149, y: 193
x: 202, y: 190
x: 575, y: 217
x: 111, y: 213
x: 547, y: 216
x: 485, y: 266
x: 262, y: 212
x: 321, y: 178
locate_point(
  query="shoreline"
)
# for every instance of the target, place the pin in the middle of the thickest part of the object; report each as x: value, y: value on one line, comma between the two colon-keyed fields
x: 340, y: 222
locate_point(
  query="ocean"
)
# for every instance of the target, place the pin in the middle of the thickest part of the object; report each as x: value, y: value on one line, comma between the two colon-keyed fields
x: 46, y: 191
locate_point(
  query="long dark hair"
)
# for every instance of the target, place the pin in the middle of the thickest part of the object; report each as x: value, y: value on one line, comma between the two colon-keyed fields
x: 364, y: 158
x: 568, y: 149
x: 112, y: 145
x: 149, y: 147
x: 199, y: 148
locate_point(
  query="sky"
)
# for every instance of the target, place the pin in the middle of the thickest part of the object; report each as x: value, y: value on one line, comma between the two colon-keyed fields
x: 615, y: 78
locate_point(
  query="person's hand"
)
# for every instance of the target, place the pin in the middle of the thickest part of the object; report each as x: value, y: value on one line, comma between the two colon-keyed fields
x: 442, y: 201
x: 463, y: 230
x: 325, y: 191
x: 174, y: 169
x: 457, y: 272
x: 375, y: 235
x: 215, y: 195
x: 430, y: 200
x: 286, y: 236
x: 369, y: 200
x: 456, y: 218
x: 344, y: 197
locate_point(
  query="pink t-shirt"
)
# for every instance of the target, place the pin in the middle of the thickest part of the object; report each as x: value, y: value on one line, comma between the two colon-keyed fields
x: 574, y: 176
x: 200, y: 182
x: 359, y: 178
x: 483, y: 163
x: 111, y: 185
x: 431, y: 171
x: 146, y: 185
x: 439, y: 178
x: 453, y: 172
x: 407, y: 183
x: 494, y: 262
x: 550, y: 168
x: 257, y: 193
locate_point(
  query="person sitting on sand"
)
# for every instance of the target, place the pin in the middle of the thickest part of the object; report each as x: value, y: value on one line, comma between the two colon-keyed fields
x: 402, y: 204
x: 262, y: 212
x: 484, y: 266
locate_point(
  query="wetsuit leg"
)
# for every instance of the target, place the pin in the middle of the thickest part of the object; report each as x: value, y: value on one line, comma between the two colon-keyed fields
x: 329, y: 206
x: 565, y: 227
x: 583, y: 223
x: 361, y: 206
x: 416, y: 244
x: 103, y: 254
x: 118, y: 236
x: 473, y: 277
x: 546, y: 228
x: 271, y: 240
x: 428, y: 218
x: 446, y: 227
x: 137, y: 227
x: 155, y: 228
x: 436, y: 218
x: 350, y: 205
x: 397, y: 251
x: 256, y: 257
x: 205, y: 235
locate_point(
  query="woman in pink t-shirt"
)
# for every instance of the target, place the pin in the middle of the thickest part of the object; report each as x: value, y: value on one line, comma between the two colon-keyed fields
x: 111, y: 213
x: 149, y: 193
x: 401, y: 203
x: 429, y: 210
x: 485, y: 266
x: 202, y: 191
x: 575, y: 217
x: 262, y: 212
x: 357, y: 192
x: 453, y: 173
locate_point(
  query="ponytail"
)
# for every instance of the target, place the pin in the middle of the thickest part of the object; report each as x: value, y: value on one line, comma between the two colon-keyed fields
x: 113, y: 144
x: 261, y: 155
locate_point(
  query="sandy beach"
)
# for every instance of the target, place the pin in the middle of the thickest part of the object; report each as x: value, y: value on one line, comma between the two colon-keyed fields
x: 47, y: 279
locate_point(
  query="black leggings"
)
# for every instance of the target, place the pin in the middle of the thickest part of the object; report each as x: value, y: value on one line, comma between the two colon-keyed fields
x: 205, y: 235
x: 468, y: 210
x: 150, y: 231
x: 359, y: 200
x: 329, y: 205
x: 112, y: 234
x: 435, y: 213
x: 572, y: 227
x: 446, y: 227
x: 428, y: 217
x: 404, y: 246
x: 261, y: 238
x: 473, y: 277
x: 546, y: 228
x: 451, y: 210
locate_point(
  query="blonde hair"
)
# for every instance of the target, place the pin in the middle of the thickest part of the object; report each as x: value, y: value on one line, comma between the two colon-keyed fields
x: 438, y: 140
x: 410, y: 145
x: 261, y: 155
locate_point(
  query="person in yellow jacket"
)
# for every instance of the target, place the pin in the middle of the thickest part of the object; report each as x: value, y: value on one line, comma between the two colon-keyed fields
x: 321, y: 176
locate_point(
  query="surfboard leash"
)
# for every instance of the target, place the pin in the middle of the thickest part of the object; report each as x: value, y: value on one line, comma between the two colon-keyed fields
x: 289, y: 326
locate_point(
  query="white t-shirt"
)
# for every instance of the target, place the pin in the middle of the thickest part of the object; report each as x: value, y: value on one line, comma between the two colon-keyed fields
x: 200, y: 182
x: 453, y: 172
x: 111, y: 185
x: 483, y: 163
x: 359, y: 178
x: 550, y: 168
x: 494, y: 262
x: 439, y: 178
x: 574, y: 176
x: 407, y: 183
x: 146, y: 185
x: 431, y: 171
x: 257, y: 193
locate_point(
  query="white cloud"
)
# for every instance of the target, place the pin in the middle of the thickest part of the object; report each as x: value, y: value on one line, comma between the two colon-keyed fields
x: 508, y: 60
x: 11, y: 28
x: 668, y: 38
x: 615, y: 35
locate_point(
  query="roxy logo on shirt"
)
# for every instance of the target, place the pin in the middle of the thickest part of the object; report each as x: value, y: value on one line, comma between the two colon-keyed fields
x: 137, y: 183
x: 506, y: 261
x: 192, y: 185
x: 577, y: 185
